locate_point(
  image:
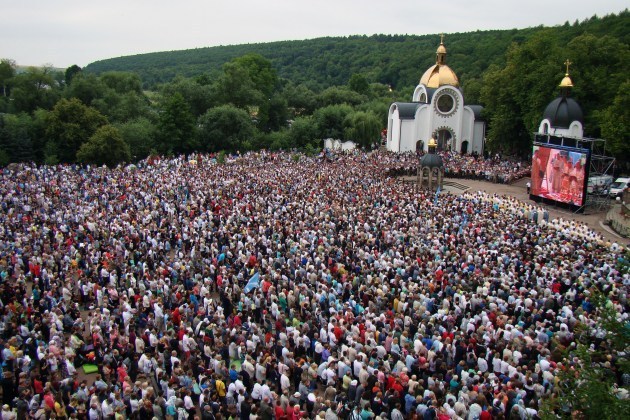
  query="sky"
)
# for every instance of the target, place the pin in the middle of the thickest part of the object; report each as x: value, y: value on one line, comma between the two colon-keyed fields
x: 66, y: 32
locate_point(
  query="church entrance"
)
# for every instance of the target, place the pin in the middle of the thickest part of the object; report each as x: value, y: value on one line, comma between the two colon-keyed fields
x: 464, y: 147
x: 444, y: 138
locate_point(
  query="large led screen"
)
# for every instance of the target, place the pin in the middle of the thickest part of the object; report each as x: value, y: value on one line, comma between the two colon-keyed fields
x: 559, y: 174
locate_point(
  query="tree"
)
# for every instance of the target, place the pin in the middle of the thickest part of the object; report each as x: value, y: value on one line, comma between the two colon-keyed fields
x: 378, y: 108
x: 85, y: 87
x: 122, y: 82
x: 70, y: 124
x: 340, y: 95
x: 300, y: 99
x: 7, y: 72
x: 380, y: 91
x: 359, y: 84
x: 4, y: 158
x: 105, y: 147
x: 71, y: 71
x: 472, y: 90
x: 122, y: 107
x: 276, y: 140
x: 615, y: 124
x: 35, y: 88
x: 225, y: 128
x: 363, y: 128
x: 18, y: 140
x: 595, y: 88
x: 303, y: 131
x: 236, y: 87
x: 176, y: 126
x: 273, y: 114
x: 260, y: 71
x: 198, y: 93
x: 246, y: 82
x: 139, y: 134
x: 330, y: 121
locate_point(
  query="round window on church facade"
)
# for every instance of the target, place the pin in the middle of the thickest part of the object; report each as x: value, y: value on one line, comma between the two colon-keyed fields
x: 445, y: 103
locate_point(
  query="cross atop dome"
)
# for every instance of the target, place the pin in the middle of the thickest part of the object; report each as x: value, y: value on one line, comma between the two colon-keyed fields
x: 566, y: 82
x: 441, y: 51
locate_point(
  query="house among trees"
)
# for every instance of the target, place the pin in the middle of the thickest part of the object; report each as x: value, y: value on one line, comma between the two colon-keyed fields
x: 438, y: 111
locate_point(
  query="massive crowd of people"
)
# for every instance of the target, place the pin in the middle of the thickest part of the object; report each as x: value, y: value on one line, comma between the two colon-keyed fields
x: 274, y: 287
x: 496, y: 169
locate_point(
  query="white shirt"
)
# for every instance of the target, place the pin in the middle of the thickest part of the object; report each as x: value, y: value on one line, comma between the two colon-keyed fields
x: 285, y: 383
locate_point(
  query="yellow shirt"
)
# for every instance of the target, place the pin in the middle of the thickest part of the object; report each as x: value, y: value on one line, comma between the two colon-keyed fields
x: 220, y: 386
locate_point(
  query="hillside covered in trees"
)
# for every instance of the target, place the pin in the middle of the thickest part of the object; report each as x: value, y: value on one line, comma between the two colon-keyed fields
x: 396, y: 60
x: 292, y: 94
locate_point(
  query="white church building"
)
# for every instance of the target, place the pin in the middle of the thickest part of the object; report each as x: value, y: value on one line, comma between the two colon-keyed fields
x: 437, y: 110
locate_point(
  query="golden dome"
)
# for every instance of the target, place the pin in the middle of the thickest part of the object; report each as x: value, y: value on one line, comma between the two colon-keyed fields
x: 566, y: 81
x: 439, y: 74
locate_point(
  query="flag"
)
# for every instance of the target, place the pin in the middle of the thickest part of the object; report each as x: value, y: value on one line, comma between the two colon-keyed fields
x: 253, y: 283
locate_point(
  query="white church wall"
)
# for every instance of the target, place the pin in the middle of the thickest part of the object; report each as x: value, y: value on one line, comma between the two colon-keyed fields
x: 407, y: 136
x: 419, y: 94
x: 560, y: 132
x: 479, y: 133
x: 468, y: 122
x: 576, y: 129
x: 544, y: 126
x: 393, y: 129
x: 423, y: 131
x: 467, y: 132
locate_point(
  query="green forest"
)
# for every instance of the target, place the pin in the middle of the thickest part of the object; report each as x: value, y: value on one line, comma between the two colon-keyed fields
x: 293, y: 94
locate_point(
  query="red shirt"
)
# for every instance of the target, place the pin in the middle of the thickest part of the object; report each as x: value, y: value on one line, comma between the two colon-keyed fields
x: 280, y: 414
x: 38, y: 386
x: 177, y: 319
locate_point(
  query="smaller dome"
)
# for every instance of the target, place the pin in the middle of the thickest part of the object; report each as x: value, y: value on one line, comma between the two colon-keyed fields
x: 431, y: 160
x: 441, y: 49
x: 562, y: 111
x: 566, y: 81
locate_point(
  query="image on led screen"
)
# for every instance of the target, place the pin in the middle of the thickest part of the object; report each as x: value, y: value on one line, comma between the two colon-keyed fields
x: 559, y: 174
